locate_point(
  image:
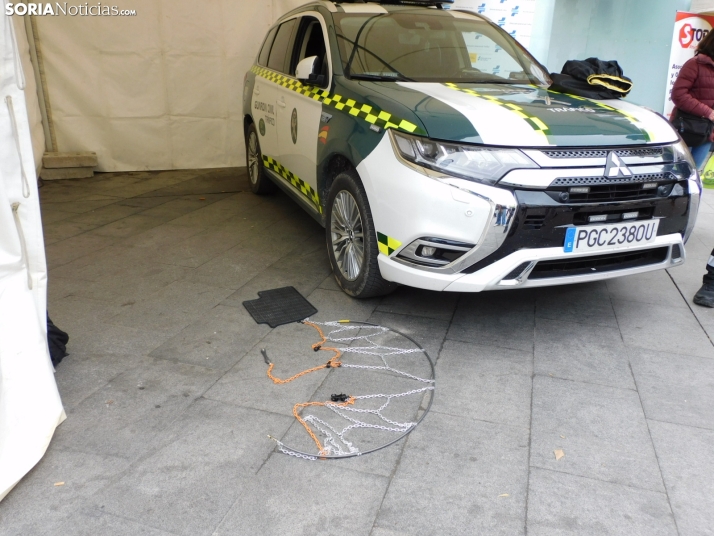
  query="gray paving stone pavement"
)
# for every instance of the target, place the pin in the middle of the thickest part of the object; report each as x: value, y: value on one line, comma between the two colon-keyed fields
x: 560, y: 504
x: 169, y: 408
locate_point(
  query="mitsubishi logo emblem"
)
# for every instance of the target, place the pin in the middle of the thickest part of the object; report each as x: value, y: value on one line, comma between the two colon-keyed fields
x: 616, y: 167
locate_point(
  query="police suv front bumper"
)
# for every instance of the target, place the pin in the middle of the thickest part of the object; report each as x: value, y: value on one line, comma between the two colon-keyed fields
x: 513, y: 235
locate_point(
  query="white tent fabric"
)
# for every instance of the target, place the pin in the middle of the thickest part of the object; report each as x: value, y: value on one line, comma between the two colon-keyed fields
x: 159, y: 90
x: 30, y: 406
x: 34, y: 114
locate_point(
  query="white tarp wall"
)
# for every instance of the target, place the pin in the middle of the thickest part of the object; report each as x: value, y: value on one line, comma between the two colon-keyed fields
x: 30, y: 406
x: 159, y: 90
x: 33, y: 106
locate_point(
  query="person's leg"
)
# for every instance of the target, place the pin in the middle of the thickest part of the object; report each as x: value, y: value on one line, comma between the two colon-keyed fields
x: 705, y: 295
x: 700, y: 153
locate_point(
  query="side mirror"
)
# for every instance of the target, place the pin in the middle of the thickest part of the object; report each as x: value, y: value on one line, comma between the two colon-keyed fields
x: 305, y: 71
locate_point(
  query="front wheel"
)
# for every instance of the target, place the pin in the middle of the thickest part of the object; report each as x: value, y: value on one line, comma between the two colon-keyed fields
x: 259, y: 182
x: 352, y: 240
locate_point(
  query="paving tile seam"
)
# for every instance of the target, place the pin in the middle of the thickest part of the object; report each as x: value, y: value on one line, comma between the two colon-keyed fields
x: 390, y: 480
x: 473, y: 419
x: 480, y: 344
x: 180, y: 196
x: 135, y: 521
x: 448, y: 327
x: 585, y: 382
x: 530, y: 421
x: 634, y: 346
x: 55, y: 266
x: 589, y: 324
x: 594, y: 479
x: 176, y: 361
x: 70, y: 409
x: 412, y: 315
x: 654, y: 449
x: 568, y: 321
x: 680, y: 424
x: 689, y: 306
x: 246, y: 406
x: 83, y: 198
x: 88, y: 452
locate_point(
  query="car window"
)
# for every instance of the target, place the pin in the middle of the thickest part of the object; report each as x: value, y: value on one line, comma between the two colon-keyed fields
x: 311, y: 42
x: 431, y: 47
x: 486, y: 56
x: 279, y: 50
x: 265, y: 51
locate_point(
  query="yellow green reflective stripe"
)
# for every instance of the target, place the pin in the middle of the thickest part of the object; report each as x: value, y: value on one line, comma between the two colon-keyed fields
x: 387, y: 244
x: 649, y: 136
x: 535, y: 123
x: 293, y: 179
x: 366, y: 112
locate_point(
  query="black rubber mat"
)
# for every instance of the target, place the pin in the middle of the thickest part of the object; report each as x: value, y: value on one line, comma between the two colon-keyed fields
x: 279, y: 306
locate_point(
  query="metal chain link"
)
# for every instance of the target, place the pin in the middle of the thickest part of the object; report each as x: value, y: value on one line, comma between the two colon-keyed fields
x: 335, y: 442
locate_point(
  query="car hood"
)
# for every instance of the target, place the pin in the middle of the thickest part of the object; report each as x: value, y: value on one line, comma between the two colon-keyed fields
x: 524, y: 116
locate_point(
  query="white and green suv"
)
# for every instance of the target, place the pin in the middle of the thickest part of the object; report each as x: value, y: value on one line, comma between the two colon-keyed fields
x: 427, y: 143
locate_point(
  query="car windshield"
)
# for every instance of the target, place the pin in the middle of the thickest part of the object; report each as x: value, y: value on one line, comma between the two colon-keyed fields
x: 434, y: 46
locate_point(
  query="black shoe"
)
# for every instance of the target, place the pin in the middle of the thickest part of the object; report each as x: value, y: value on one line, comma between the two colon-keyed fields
x: 705, y: 296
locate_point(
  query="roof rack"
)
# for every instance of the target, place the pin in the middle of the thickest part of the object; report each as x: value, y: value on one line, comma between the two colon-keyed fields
x: 426, y: 3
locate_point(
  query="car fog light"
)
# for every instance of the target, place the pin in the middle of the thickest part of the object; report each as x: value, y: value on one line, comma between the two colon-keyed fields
x: 630, y: 215
x: 428, y: 251
x: 665, y: 190
x: 593, y: 219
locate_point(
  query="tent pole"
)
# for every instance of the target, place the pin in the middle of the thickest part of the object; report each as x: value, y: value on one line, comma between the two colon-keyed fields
x: 42, y: 92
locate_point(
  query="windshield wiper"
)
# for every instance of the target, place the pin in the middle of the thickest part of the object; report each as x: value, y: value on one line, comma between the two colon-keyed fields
x: 501, y: 81
x: 355, y: 47
x: 380, y: 78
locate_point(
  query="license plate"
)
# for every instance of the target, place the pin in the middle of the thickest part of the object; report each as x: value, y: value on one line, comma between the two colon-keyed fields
x: 610, y: 236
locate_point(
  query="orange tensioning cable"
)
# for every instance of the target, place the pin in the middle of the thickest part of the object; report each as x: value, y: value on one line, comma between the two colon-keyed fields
x: 297, y: 407
x: 334, y: 362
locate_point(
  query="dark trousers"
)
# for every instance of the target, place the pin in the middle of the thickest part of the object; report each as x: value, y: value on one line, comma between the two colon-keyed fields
x: 709, y: 276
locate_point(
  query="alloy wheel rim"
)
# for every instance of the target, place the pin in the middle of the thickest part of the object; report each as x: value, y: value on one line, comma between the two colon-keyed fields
x: 347, y: 235
x: 253, y: 158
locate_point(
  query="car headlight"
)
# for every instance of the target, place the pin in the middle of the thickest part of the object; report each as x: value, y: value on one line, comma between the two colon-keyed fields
x: 481, y: 164
x: 682, y: 154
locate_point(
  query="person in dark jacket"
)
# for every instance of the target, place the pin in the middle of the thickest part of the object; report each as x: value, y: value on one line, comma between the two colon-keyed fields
x: 693, y: 92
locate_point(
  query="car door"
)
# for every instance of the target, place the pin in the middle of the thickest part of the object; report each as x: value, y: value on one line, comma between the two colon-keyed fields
x: 299, y: 115
x: 273, y: 64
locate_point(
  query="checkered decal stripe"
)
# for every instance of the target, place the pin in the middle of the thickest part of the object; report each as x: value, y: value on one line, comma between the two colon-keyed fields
x: 293, y: 179
x: 387, y: 245
x: 366, y: 112
x: 536, y: 124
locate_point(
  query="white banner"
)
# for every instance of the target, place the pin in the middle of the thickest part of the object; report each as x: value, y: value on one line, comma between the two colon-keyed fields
x: 689, y: 30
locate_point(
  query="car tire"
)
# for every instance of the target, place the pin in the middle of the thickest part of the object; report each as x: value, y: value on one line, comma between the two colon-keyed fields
x: 259, y: 182
x: 352, y: 239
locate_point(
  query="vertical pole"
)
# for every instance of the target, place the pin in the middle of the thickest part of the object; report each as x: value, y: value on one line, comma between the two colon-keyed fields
x: 43, y: 95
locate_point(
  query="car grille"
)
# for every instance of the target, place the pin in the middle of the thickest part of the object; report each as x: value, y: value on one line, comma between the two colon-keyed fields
x: 614, y: 192
x: 534, y: 221
x: 602, y: 153
x: 589, y: 181
x: 608, y: 190
x: 598, y: 263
